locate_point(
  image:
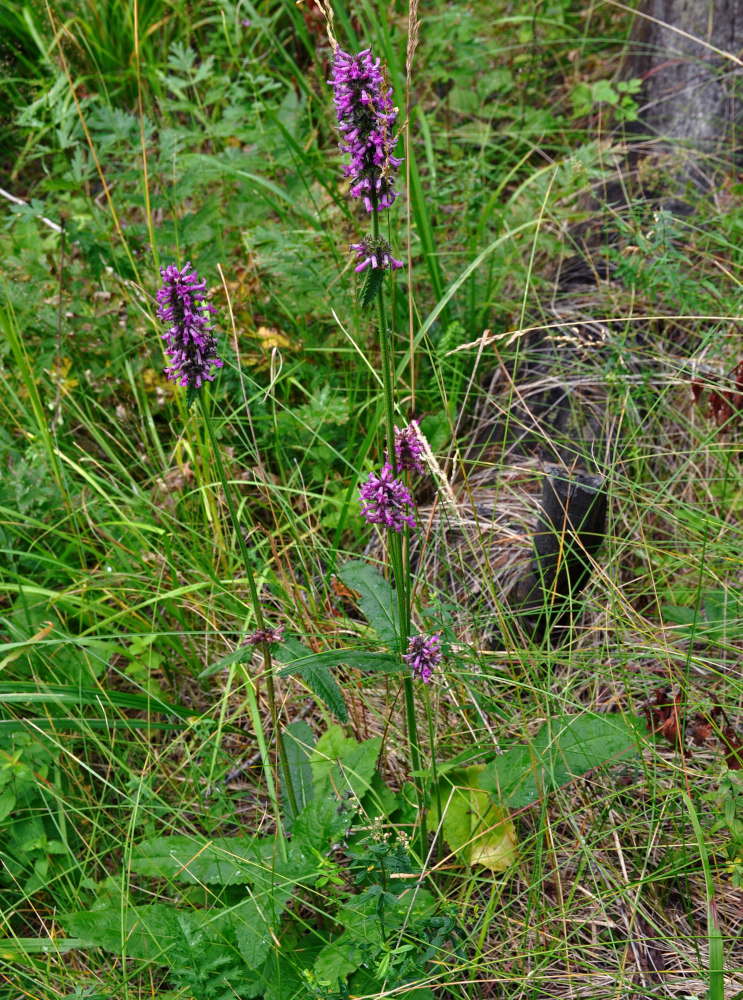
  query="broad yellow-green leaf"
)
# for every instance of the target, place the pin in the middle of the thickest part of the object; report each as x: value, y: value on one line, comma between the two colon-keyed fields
x: 476, y: 829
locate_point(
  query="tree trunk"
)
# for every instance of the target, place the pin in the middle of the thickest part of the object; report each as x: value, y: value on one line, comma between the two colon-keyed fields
x: 688, y: 54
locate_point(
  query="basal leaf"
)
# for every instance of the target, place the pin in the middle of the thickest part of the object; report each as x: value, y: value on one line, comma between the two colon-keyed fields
x: 341, y: 765
x: 147, y: 932
x: 378, y: 601
x: 564, y: 748
x: 351, y: 948
x: 320, y: 824
x: 224, y: 861
x: 478, y: 830
x: 253, y: 922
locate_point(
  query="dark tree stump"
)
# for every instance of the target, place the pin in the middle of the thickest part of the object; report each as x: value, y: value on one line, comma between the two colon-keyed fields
x: 569, y: 533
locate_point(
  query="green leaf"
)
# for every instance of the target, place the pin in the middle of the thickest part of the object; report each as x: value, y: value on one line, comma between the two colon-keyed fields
x: 378, y: 601
x: 320, y: 824
x: 564, y: 748
x: 678, y: 615
x: 147, y: 932
x: 350, y: 949
x: 718, y: 617
x: 371, y: 285
x: 224, y: 861
x: 298, y: 741
x: 7, y: 803
x: 240, y: 655
x: 380, y: 800
x: 479, y: 831
x: 360, y: 659
x: 304, y: 663
x: 283, y: 971
x: 43, y: 724
x: 340, y: 765
x: 191, y: 394
x: 253, y: 921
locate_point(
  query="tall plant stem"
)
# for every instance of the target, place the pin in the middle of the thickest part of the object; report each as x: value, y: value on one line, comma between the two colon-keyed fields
x: 396, y: 546
x: 257, y: 610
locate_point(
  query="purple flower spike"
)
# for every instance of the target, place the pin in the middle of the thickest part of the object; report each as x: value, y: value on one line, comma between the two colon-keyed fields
x: 408, y: 449
x: 423, y: 656
x: 384, y: 499
x: 375, y: 251
x: 366, y: 121
x: 189, y: 342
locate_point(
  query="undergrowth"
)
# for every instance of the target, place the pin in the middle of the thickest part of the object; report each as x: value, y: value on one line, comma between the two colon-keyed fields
x: 544, y: 818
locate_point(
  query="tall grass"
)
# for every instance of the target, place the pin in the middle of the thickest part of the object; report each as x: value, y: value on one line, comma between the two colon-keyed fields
x: 129, y: 713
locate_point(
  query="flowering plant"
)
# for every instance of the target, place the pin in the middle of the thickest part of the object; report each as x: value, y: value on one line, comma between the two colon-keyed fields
x: 190, y: 343
x: 423, y: 656
x: 384, y: 499
x: 366, y: 118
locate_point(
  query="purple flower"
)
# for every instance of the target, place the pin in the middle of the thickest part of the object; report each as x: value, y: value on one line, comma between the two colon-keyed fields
x: 366, y: 120
x: 190, y: 345
x: 408, y: 449
x: 423, y: 656
x: 266, y: 634
x: 384, y: 499
x: 375, y: 251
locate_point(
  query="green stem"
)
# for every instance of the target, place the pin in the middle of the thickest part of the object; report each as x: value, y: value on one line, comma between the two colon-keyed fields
x: 257, y: 610
x: 396, y: 547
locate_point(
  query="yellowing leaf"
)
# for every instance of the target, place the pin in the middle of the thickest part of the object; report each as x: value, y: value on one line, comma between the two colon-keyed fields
x: 271, y: 337
x: 477, y: 830
x: 59, y: 372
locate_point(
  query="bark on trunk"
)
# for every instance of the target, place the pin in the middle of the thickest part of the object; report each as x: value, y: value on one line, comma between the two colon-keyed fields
x: 688, y: 54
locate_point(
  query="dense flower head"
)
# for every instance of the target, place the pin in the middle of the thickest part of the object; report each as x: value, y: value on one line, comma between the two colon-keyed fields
x: 366, y: 120
x: 409, y: 449
x: 423, y: 656
x: 266, y: 634
x: 384, y: 500
x: 189, y: 341
x: 375, y: 250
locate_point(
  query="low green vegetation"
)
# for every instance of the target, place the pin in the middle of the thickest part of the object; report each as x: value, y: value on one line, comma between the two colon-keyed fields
x: 257, y: 739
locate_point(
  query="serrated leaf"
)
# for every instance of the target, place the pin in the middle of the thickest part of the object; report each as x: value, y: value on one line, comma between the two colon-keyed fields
x: 148, y: 932
x: 350, y: 949
x: 320, y: 824
x: 224, y: 861
x: 565, y: 748
x: 369, y: 662
x: 378, y: 601
x: 316, y: 674
x: 253, y: 922
x: 371, y: 285
x: 340, y: 765
x: 191, y: 394
x: 479, y: 831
